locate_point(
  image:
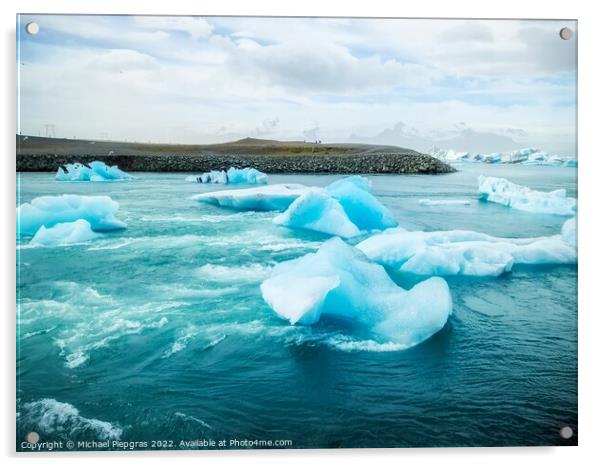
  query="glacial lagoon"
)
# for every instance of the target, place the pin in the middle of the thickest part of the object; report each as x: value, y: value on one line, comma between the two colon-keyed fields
x: 160, y: 332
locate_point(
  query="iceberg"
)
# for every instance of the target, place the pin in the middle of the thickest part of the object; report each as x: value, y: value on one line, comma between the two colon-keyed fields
x: 495, y: 157
x: 362, y: 208
x: 263, y: 198
x: 62, y: 234
x: 344, y: 208
x: 318, y: 211
x: 212, y: 177
x: 569, y: 231
x: 47, y: 211
x: 526, y: 156
x: 502, y: 191
x: 231, y: 176
x: 94, y: 171
x: 469, y: 253
x: 339, y: 281
x: 449, y: 155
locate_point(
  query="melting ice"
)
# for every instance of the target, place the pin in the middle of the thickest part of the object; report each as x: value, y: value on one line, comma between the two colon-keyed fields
x: 458, y: 252
x: 231, y: 176
x: 344, y: 208
x: 338, y: 280
x: 94, y: 171
x: 48, y: 211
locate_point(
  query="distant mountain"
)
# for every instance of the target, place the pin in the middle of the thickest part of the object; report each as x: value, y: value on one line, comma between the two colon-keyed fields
x: 473, y: 141
x: 467, y: 140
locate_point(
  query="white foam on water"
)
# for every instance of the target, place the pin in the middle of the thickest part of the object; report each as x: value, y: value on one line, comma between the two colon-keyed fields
x: 181, y: 291
x: 185, y: 417
x: 209, y: 218
x: 35, y: 333
x: 215, y: 342
x: 49, y: 416
x: 222, y: 273
x: 76, y: 343
x: 186, y: 335
x: 346, y: 343
x: 182, y: 341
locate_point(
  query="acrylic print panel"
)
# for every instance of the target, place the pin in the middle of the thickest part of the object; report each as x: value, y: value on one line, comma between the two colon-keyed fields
x: 254, y: 232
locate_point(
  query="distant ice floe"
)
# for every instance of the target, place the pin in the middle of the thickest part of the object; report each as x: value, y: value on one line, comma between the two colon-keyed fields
x: 344, y: 208
x: 50, y: 417
x: 62, y: 234
x: 231, y: 176
x: 48, y: 211
x: 264, y: 198
x: 458, y: 252
x: 340, y: 281
x: 94, y: 171
x: 526, y: 156
x: 502, y: 191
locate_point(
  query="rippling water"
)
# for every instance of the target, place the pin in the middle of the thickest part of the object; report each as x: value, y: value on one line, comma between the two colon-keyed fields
x: 159, y: 332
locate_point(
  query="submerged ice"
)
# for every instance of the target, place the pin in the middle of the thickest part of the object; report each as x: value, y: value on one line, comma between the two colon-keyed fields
x: 458, y: 252
x: 94, y: 171
x: 231, y: 176
x: 48, y: 211
x: 340, y: 281
x: 344, y: 208
x: 263, y: 198
x: 62, y: 234
x: 502, y: 191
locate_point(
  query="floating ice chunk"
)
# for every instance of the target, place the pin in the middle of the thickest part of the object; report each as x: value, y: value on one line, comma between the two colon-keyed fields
x: 47, y: 211
x: 94, y: 171
x: 232, y: 176
x: 504, y: 192
x: 345, y: 208
x: 246, y: 175
x: 362, y: 208
x: 318, y: 211
x: 570, y: 163
x: 60, y: 234
x: 495, y: 157
x: 273, y: 197
x: 435, y: 202
x: 51, y: 417
x: 569, y: 231
x: 338, y: 280
x: 212, y: 177
x: 460, y: 252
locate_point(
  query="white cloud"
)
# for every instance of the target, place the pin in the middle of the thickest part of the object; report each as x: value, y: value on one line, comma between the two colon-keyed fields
x: 207, y: 80
x: 196, y: 27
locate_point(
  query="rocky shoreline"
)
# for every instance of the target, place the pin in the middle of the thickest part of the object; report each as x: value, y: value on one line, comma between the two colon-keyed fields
x: 399, y: 163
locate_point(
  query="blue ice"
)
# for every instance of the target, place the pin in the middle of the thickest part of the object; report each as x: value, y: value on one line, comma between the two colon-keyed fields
x: 340, y: 281
x: 502, y: 191
x: 458, y: 252
x: 47, y: 211
x: 344, y: 208
x: 231, y: 176
x: 94, y: 171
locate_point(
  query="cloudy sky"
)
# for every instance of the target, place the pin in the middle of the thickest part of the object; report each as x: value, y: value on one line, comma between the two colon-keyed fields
x: 463, y: 84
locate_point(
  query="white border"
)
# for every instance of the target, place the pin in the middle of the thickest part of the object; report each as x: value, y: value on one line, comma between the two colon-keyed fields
x: 590, y: 165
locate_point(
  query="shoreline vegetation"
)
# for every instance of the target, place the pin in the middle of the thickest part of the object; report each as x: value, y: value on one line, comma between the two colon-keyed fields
x: 35, y: 154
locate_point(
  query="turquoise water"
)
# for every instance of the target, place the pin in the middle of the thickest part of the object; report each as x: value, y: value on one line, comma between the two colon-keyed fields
x: 159, y: 332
